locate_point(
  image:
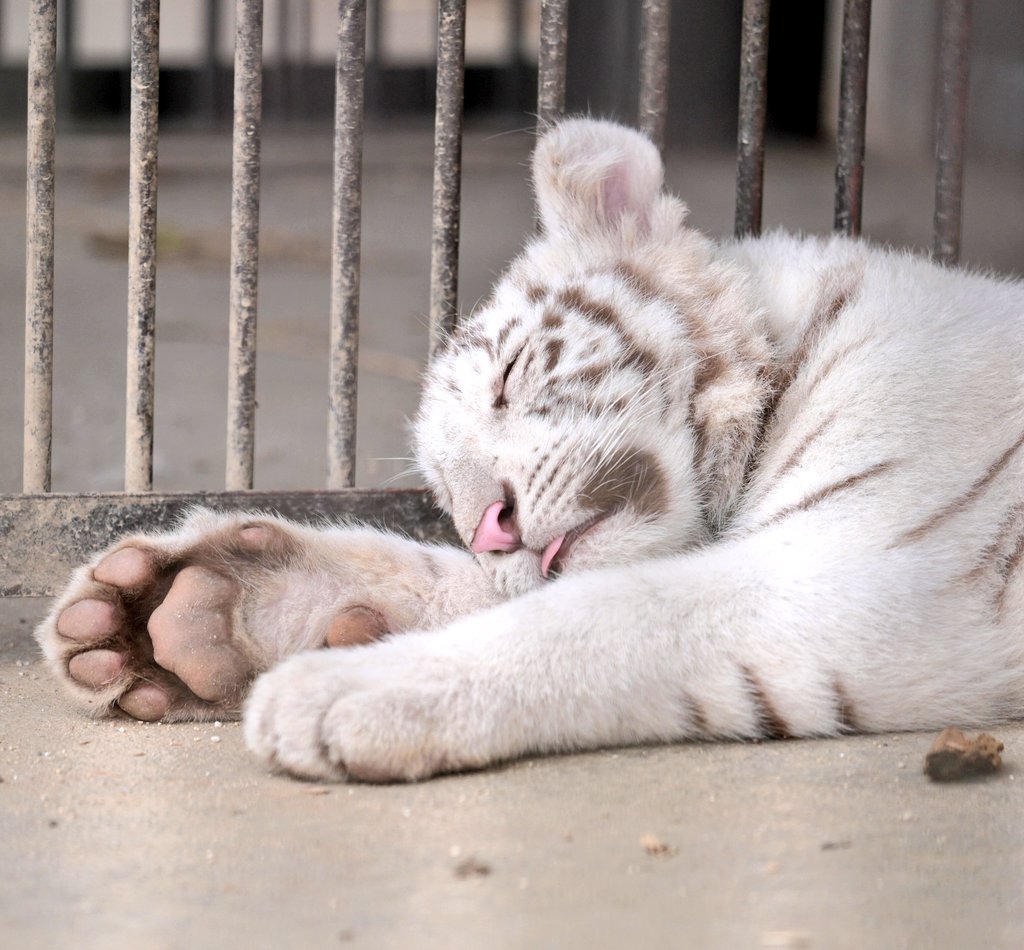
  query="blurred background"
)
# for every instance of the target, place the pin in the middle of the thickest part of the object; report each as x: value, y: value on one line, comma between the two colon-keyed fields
x: 299, y: 39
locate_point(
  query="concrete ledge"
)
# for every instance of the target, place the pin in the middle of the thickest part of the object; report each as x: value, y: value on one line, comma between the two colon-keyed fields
x: 47, y: 536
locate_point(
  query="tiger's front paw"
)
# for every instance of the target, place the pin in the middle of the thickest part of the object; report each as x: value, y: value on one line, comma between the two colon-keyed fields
x: 375, y: 714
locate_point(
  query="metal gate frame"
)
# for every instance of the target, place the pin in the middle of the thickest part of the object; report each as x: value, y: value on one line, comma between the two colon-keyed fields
x: 45, y: 534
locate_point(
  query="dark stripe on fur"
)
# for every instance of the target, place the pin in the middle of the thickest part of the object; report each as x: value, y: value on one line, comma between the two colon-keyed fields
x: 993, y: 555
x: 845, y: 715
x: 553, y: 351
x: 834, y: 295
x: 1008, y: 569
x: 637, y: 280
x: 959, y: 503
x: 696, y: 720
x: 804, y: 444
x: 472, y: 339
x: 770, y: 723
x: 503, y: 333
x: 594, y: 374
x: 822, y: 494
x: 573, y: 298
x: 535, y: 293
x: 603, y: 314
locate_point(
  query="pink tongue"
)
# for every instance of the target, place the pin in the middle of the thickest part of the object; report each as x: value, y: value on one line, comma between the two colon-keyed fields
x: 549, y: 554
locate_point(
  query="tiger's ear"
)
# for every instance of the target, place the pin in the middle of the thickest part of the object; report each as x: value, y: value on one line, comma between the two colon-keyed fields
x: 592, y: 174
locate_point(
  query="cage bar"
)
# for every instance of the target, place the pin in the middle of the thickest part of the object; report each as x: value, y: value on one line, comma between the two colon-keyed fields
x: 346, y: 231
x: 39, y: 194
x: 554, y: 37
x: 654, y: 37
x: 853, y: 97
x: 245, y: 237
x: 444, y: 256
x: 142, y: 183
x: 752, y: 110
x: 951, y: 128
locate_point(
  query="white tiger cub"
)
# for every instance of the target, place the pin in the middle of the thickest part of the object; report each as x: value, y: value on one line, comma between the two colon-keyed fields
x: 759, y: 488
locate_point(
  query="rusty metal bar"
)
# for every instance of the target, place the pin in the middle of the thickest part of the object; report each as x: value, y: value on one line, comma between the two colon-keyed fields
x: 554, y: 33
x: 77, y: 526
x: 346, y: 231
x: 245, y: 243
x: 752, y: 110
x: 444, y: 257
x: 654, y: 36
x: 42, y: 124
x: 142, y: 180
x: 951, y: 128
x: 853, y: 97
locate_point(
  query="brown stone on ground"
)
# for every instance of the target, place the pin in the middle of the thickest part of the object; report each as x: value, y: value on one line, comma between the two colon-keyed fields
x: 953, y: 756
x: 655, y: 847
x: 472, y: 867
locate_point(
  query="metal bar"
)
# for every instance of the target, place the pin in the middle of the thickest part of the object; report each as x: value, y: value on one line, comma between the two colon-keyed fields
x: 47, y: 536
x: 853, y: 97
x: 554, y: 33
x: 346, y: 231
x: 654, y: 37
x: 752, y: 109
x: 142, y: 181
x: 245, y: 243
x: 444, y: 257
x: 951, y: 128
x: 42, y: 130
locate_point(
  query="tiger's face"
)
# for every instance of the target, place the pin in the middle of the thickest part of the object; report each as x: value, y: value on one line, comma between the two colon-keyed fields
x: 544, y: 431
x: 565, y: 425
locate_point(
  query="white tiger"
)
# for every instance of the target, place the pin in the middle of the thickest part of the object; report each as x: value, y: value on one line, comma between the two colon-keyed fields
x: 780, y: 482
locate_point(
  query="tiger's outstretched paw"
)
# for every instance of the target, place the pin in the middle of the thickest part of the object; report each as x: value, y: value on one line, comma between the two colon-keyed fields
x: 393, y: 711
x: 169, y: 627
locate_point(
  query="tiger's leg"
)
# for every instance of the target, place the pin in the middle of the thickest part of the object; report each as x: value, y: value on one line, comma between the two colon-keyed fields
x: 175, y: 626
x: 736, y: 641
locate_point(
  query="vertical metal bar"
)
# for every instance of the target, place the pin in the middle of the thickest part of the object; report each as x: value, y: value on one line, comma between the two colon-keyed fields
x: 346, y: 229
x: 245, y: 243
x: 142, y: 181
x: 654, y: 36
x: 444, y: 258
x: 554, y: 33
x: 752, y: 110
x: 853, y: 97
x: 951, y: 128
x: 42, y: 130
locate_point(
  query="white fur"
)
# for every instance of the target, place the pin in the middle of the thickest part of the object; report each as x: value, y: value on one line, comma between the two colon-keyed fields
x: 838, y: 431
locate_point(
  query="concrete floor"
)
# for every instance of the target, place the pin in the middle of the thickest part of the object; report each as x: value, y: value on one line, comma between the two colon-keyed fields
x: 118, y: 833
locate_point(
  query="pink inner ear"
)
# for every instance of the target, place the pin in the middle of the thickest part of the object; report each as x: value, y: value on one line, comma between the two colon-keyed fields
x: 616, y: 195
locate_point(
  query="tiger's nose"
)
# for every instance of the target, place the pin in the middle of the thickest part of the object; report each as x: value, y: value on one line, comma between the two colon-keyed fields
x: 497, y: 530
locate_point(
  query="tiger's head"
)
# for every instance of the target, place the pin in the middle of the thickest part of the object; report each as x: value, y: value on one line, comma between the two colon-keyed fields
x: 601, y: 406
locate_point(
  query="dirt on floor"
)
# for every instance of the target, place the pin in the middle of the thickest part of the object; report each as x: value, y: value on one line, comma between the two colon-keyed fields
x: 122, y: 833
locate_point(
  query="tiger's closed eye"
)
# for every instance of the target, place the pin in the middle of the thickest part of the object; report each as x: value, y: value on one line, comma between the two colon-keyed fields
x: 499, y: 400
